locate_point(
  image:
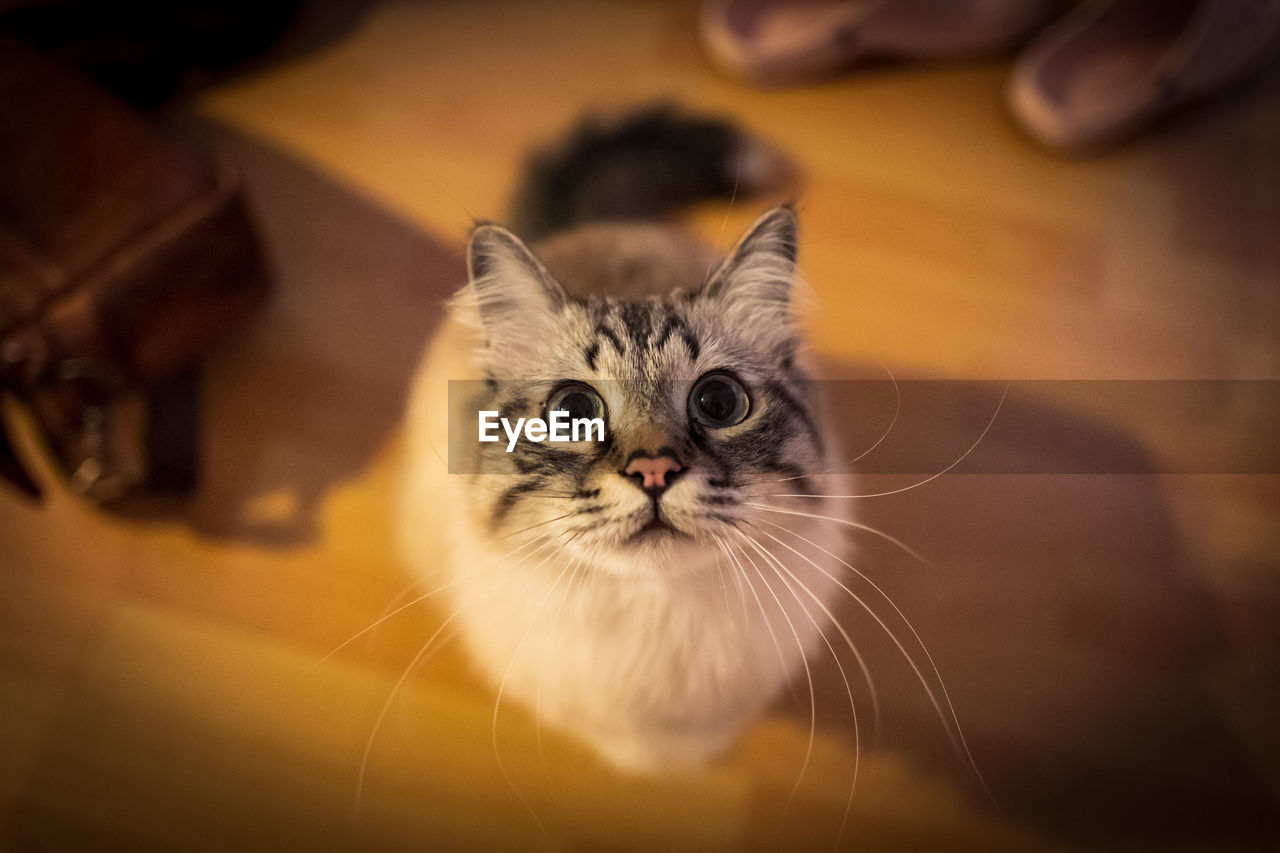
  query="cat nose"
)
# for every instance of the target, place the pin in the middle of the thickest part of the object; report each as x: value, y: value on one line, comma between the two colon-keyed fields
x: 653, y: 473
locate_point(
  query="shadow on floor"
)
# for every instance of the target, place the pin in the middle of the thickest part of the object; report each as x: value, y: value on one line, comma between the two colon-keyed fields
x: 302, y: 400
x: 1074, y: 635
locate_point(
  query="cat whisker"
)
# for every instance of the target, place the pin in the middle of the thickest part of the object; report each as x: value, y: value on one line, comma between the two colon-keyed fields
x: 782, y: 658
x: 390, y: 609
x: 386, y: 706
x: 387, y: 615
x: 422, y: 656
x: 578, y: 533
x: 919, y: 483
x: 778, y: 564
x: 534, y: 526
x: 452, y: 470
x: 537, y: 704
x: 813, y: 702
x: 733, y: 196
x: 907, y: 549
x: 897, y: 410
x: 952, y: 723
x: 724, y: 590
x: 737, y: 579
x: 357, y: 635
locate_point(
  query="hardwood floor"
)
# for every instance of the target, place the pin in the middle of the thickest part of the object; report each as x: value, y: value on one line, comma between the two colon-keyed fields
x: 1109, y: 636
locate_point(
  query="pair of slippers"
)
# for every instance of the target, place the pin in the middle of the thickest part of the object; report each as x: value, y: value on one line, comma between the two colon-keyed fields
x: 1100, y: 74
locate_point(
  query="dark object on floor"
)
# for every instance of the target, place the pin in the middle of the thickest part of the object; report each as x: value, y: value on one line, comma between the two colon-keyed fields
x: 772, y: 42
x: 150, y: 53
x: 1110, y: 70
x: 124, y: 257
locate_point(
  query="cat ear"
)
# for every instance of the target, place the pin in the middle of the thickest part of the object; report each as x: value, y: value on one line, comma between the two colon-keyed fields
x: 510, y: 298
x: 507, y: 284
x: 758, y: 276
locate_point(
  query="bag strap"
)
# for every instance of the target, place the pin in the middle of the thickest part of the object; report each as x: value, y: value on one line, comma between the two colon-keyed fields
x: 11, y: 468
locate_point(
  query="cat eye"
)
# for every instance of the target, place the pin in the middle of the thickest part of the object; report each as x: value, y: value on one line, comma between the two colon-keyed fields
x: 718, y: 400
x: 578, y: 399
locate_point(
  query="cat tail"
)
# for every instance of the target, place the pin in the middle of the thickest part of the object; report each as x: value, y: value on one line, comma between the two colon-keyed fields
x: 641, y: 167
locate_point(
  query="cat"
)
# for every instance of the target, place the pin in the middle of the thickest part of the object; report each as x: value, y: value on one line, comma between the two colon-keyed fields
x: 637, y: 593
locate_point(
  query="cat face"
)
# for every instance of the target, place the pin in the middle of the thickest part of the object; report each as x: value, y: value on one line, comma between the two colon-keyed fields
x: 701, y: 394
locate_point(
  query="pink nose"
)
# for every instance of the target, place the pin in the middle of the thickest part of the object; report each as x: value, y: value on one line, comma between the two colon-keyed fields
x: 654, y: 471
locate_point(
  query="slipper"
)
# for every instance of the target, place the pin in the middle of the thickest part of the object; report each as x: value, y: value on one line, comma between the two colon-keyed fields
x: 770, y: 41
x: 1110, y: 69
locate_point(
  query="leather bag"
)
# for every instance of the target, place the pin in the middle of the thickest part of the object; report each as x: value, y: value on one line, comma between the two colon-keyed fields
x: 125, y: 256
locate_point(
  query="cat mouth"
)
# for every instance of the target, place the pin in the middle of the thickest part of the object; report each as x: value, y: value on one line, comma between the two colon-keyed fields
x: 655, y: 529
